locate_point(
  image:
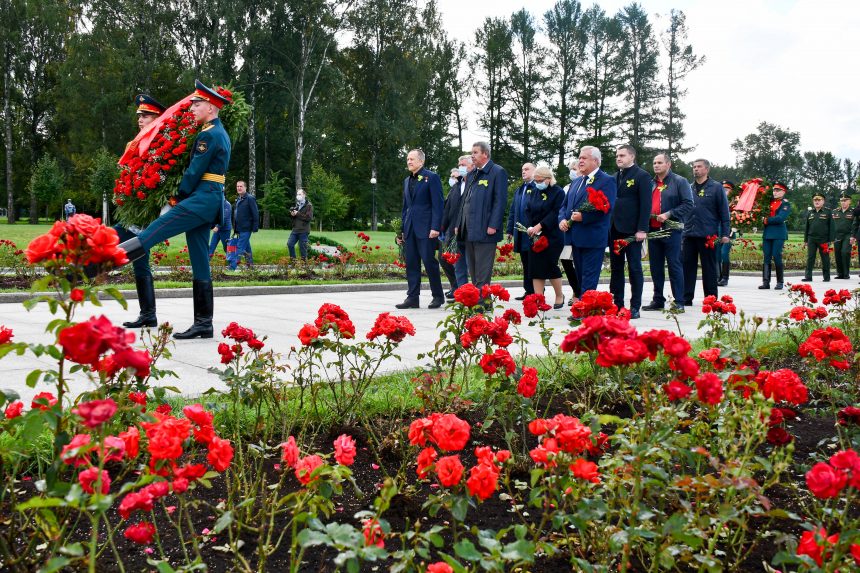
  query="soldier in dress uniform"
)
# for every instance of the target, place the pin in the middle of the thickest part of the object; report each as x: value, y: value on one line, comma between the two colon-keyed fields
x: 843, y: 225
x: 148, y: 109
x: 201, y: 195
x: 774, y: 236
x: 818, y: 237
x: 855, y: 231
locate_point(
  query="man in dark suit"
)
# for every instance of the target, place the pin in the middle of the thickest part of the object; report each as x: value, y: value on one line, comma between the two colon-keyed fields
x: 588, y: 231
x: 709, y: 218
x: 629, y: 219
x: 422, y: 219
x: 671, y: 199
x: 522, y: 242
x: 447, y: 240
x: 482, y: 213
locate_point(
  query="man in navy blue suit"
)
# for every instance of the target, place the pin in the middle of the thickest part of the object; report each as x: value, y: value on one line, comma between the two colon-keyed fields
x: 587, y: 231
x: 422, y: 219
x: 482, y: 212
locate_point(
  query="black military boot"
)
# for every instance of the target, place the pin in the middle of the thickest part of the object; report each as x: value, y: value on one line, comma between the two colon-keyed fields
x: 765, y: 278
x: 203, y: 308
x: 146, y: 298
x: 779, y: 280
x: 724, y: 274
x: 133, y: 249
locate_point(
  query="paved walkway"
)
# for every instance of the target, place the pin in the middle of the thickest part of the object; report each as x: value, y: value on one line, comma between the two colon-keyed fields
x: 280, y: 316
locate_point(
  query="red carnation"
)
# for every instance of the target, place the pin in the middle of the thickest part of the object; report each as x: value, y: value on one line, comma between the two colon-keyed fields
x: 540, y: 245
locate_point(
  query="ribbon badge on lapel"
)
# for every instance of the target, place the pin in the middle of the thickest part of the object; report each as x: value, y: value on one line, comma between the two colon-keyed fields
x: 420, y: 178
x: 630, y: 182
x: 484, y: 183
x: 590, y: 180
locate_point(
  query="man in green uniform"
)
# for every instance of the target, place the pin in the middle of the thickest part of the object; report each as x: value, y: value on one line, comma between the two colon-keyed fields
x: 843, y: 224
x: 774, y: 236
x: 201, y: 194
x: 817, y: 237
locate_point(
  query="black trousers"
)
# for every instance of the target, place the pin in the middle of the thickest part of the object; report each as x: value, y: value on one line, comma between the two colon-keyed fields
x: 632, y: 254
x: 572, y: 277
x: 528, y: 285
x: 695, y: 251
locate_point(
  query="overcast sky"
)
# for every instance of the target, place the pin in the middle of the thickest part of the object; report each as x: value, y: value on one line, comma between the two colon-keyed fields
x: 790, y: 62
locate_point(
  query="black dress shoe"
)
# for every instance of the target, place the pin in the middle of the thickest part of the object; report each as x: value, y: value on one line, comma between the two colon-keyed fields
x: 559, y: 305
x: 653, y: 306
x: 634, y: 314
x: 408, y: 303
x: 436, y: 302
x: 449, y: 295
x: 806, y: 280
x: 521, y: 297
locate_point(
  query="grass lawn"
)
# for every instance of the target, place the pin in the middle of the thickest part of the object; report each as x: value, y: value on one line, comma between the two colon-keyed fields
x: 268, y: 244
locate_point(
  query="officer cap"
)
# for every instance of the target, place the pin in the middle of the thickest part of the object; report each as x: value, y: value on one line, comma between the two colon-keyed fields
x: 218, y: 97
x: 780, y: 185
x: 148, y: 104
x: 845, y: 195
x: 818, y: 195
x: 729, y: 184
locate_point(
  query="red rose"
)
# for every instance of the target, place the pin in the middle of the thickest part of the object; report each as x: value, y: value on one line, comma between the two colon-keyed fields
x: 90, y: 476
x: 849, y: 415
x: 198, y: 415
x: 512, y: 316
x: 96, y: 412
x: 449, y: 470
x: 305, y: 468
x: 585, y: 470
x: 442, y: 567
x: 131, y: 438
x: 620, y: 352
x: 779, y: 436
x: 308, y: 334
x: 77, y: 295
x: 165, y: 437
x: 5, y: 335
x: 501, y: 358
x: 344, y: 450
x: 426, y: 458
x: 220, y: 454
x: 450, y: 433
x: 136, y: 501
x: 824, y: 481
x: 528, y: 382
x: 676, y: 390
x: 483, y: 480
x: 43, y: 401
x: 77, y: 452
x: 14, y: 410
x: 43, y: 247
x: 394, y: 328
x: 467, y: 295
x: 814, y: 544
x: 419, y: 431
x: 141, y: 533
x: 373, y: 534
x: 709, y: 388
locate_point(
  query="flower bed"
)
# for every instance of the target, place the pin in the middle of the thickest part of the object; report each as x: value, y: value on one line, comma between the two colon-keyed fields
x: 619, y: 449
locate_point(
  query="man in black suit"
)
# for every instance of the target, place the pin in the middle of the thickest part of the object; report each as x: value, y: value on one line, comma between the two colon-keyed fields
x: 629, y: 218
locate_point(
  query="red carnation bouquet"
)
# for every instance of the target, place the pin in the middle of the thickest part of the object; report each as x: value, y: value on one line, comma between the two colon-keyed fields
x: 539, y: 242
x: 597, y: 201
x: 149, y: 179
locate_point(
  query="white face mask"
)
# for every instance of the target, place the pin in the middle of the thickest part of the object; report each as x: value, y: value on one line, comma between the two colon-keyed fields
x: 463, y: 171
x: 452, y: 181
